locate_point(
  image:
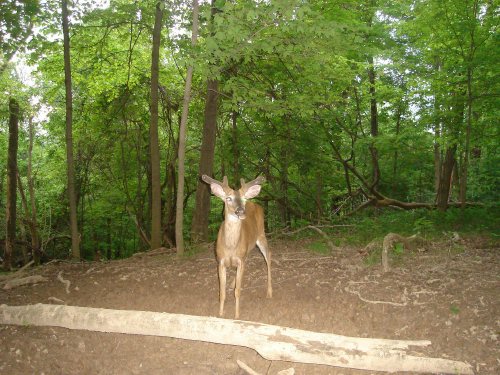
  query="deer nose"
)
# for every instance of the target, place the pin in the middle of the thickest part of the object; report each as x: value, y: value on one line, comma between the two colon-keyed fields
x: 239, y: 211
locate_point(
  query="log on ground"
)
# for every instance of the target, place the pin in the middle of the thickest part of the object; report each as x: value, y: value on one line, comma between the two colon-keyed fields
x: 271, y: 342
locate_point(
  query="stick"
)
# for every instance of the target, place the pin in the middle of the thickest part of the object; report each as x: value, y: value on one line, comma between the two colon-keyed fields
x: 246, y: 368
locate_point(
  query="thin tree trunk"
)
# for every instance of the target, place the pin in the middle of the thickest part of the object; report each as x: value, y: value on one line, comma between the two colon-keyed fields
x: 465, y: 165
x: 35, y: 240
x: 179, y: 217
x: 468, y: 59
x: 28, y: 220
x: 437, y: 135
x: 437, y: 159
x: 373, y: 125
x: 170, y: 201
x: 75, y: 237
x: 10, y: 211
x: 444, y: 190
x: 396, y: 153
x: 283, y: 203
x: 236, y: 154
x: 318, y: 196
x: 199, y: 226
x: 153, y: 133
x: 109, y: 255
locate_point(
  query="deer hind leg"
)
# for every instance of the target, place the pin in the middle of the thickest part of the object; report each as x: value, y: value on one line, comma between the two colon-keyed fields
x: 266, y: 252
x: 240, y: 268
x: 222, y: 286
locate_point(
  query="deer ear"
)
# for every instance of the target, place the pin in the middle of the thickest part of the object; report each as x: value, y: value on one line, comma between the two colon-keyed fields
x: 252, y: 191
x: 218, y: 191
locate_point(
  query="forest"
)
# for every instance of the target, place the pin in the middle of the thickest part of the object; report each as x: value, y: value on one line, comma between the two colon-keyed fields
x: 112, y: 110
x: 354, y: 143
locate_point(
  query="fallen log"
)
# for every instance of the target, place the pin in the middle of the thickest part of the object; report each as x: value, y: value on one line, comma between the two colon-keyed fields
x: 24, y: 281
x: 271, y: 342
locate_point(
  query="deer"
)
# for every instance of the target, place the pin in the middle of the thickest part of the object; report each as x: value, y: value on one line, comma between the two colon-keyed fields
x: 241, y: 230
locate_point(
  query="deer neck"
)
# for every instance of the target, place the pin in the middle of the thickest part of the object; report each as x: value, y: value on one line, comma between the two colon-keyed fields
x: 232, y: 231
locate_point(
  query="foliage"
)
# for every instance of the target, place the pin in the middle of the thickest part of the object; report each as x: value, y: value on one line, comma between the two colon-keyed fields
x: 294, y: 88
x: 429, y: 224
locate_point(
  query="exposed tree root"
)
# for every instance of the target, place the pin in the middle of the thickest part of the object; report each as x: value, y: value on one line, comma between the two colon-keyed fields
x: 391, y: 239
x: 66, y: 283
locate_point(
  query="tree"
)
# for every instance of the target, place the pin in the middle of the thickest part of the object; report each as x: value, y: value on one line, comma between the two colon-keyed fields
x: 153, y: 131
x: 179, y: 217
x: 199, y: 226
x: 10, y: 214
x: 30, y: 211
x: 75, y: 236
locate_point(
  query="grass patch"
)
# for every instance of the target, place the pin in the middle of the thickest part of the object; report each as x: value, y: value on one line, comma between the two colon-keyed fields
x: 319, y: 247
x: 431, y: 224
x: 192, y: 250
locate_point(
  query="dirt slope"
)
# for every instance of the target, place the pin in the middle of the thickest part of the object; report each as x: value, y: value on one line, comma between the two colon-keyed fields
x: 451, y: 298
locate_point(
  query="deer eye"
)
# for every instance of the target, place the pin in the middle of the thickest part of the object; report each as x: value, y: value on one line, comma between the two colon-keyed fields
x: 229, y: 199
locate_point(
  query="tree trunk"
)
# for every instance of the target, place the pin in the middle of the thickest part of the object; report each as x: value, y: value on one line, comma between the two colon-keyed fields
x: 199, y: 226
x: 170, y: 201
x: 396, y: 153
x: 437, y: 134
x: 465, y: 164
x: 35, y: 240
x: 153, y: 133
x: 271, y: 342
x: 283, y: 202
x: 179, y: 217
x: 75, y: 237
x: 437, y: 159
x: 10, y: 211
x: 318, y: 196
x: 109, y: 252
x: 170, y: 183
x: 236, y: 154
x: 373, y: 125
x: 444, y: 189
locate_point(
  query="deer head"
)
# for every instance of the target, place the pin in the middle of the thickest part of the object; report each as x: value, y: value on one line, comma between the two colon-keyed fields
x: 235, y: 200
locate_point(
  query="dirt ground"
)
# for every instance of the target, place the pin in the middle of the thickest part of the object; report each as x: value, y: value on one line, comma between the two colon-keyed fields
x: 449, y: 294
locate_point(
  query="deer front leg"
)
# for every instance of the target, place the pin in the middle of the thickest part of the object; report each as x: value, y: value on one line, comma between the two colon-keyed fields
x: 222, y: 286
x: 264, y: 249
x: 237, y: 288
x: 269, y: 283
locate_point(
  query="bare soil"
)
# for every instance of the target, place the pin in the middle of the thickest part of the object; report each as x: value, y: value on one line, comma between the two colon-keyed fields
x: 449, y: 294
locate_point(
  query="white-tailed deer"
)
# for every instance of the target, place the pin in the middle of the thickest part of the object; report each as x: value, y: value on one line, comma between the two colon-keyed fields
x: 241, y: 230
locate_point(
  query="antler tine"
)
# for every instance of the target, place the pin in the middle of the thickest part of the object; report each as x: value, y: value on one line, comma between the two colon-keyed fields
x: 210, y: 180
x: 258, y: 181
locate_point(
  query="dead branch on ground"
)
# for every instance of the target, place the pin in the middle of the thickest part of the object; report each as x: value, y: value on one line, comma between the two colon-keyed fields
x: 24, y: 281
x: 333, y: 248
x: 272, y: 342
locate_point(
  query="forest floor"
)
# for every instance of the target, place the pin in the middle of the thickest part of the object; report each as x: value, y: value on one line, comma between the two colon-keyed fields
x: 448, y: 294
